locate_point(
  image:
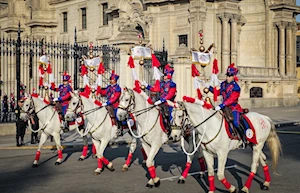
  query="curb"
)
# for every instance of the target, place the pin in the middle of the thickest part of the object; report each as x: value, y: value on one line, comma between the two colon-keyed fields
x: 287, y: 124
x: 53, y: 147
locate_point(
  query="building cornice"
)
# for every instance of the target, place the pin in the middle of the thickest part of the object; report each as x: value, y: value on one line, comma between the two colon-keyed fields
x: 41, y: 23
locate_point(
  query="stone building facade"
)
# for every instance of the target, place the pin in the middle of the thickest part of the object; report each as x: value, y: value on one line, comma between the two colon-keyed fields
x: 257, y: 35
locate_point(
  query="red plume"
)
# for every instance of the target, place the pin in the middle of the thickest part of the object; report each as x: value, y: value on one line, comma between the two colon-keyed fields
x: 113, y: 72
x: 155, y: 62
x: 195, y: 71
x: 130, y: 62
x: 215, y: 67
x: 199, y: 94
x: 101, y: 69
x: 231, y: 65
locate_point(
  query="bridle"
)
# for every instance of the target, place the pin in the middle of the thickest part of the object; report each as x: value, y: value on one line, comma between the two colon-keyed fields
x: 131, y: 105
x: 79, y: 107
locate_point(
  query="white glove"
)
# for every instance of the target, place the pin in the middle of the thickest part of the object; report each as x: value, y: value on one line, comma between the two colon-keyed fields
x: 104, y: 104
x: 158, y: 102
x: 55, y: 99
x: 218, y: 108
x: 144, y: 83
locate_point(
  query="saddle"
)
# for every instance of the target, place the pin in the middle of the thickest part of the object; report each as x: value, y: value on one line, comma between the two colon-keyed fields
x: 164, y: 110
x: 229, y: 118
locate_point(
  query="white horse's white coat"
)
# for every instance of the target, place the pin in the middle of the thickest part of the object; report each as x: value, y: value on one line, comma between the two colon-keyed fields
x: 101, y: 128
x: 220, y: 144
x: 49, y: 120
x: 148, y: 128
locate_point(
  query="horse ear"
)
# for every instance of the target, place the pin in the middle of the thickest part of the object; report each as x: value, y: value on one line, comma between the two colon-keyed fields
x: 171, y: 104
x: 72, y: 94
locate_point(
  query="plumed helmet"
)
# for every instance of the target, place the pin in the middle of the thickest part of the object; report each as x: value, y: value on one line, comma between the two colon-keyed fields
x: 66, y: 76
x: 114, y: 76
x: 168, y: 71
x: 231, y: 70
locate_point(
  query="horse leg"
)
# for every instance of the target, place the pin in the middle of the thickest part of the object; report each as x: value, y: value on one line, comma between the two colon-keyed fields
x: 143, y: 153
x: 151, y: 168
x: 100, y: 156
x: 209, y: 158
x: 257, y: 149
x: 56, y: 137
x: 266, y: 184
x: 99, y: 168
x: 38, y: 152
x: 129, y: 157
x: 85, y: 148
x: 201, y: 161
x: 222, y: 158
x: 189, y: 160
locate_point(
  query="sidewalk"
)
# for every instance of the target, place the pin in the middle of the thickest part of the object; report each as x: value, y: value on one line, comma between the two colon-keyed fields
x: 282, y: 117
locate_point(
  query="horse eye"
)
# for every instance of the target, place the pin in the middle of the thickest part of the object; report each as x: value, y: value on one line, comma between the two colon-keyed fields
x: 74, y: 103
x: 27, y: 105
x: 127, y: 100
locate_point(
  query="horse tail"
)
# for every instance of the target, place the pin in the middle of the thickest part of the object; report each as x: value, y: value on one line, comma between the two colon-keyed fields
x: 274, y: 145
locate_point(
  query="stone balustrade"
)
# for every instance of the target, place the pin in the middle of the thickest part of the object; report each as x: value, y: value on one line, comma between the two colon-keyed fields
x: 250, y: 71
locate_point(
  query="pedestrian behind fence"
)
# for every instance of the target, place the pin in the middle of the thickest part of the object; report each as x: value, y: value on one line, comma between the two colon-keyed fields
x: 4, y: 108
x: 35, y: 126
x: 20, y: 124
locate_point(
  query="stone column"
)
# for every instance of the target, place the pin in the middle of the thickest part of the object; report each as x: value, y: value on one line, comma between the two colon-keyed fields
x: 225, y: 43
x: 294, y: 53
x: 289, y: 49
x: 234, y: 38
x: 281, y: 26
x: 275, y: 51
x: 194, y: 32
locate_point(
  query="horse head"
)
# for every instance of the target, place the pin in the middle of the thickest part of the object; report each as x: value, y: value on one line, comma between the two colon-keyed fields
x: 126, y: 104
x: 27, y: 108
x: 74, y: 107
x: 180, y: 121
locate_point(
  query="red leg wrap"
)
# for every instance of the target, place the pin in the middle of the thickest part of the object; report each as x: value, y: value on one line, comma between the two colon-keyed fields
x: 100, y: 165
x: 152, y: 172
x: 59, y: 153
x: 129, y: 157
x: 226, y: 183
x: 105, y: 161
x: 84, y: 151
x: 249, y: 181
x: 37, y: 155
x: 202, y: 164
x: 186, y: 170
x: 94, y: 149
x: 144, y: 154
x: 211, y: 181
x: 267, y: 174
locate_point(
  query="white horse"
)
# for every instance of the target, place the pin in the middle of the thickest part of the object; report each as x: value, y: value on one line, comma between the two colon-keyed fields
x: 215, y: 141
x: 101, y: 128
x: 49, y: 119
x: 149, y: 128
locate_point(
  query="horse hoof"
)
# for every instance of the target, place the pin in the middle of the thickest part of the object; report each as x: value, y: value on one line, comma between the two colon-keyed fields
x: 242, y: 191
x: 264, y: 187
x: 111, y: 169
x: 149, y: 186
x: 35, y: 165
x: 97, y: 173
x: 157, y: 184
x: 80, y: 159
x: 57, y: 163
x: 124, y: 169
x: 181, y: 181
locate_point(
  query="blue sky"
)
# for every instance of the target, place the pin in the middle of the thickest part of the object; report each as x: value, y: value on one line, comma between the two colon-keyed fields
x: 298, y: 17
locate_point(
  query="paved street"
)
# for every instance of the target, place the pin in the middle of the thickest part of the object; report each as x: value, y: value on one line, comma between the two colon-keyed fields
x: 73, y: 176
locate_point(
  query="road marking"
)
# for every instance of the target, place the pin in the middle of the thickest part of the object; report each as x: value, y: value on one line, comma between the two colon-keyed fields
x: 29, y: 147
x: 194, y: 173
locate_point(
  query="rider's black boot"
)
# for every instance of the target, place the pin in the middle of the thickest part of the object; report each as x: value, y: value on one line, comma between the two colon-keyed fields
x: 242, y: 135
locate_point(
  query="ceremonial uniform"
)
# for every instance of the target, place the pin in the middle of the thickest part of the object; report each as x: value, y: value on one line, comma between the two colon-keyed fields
x: 20, y: 124
x: 112, y: 92
x: 230, y: 92
x: 64, y: 95
x: 167, y: 91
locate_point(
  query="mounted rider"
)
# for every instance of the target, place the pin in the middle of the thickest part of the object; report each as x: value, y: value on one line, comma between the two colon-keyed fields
x: 63, y: 99
x: 230, y: 91
x: 112, y: 92
x: 167, y: 92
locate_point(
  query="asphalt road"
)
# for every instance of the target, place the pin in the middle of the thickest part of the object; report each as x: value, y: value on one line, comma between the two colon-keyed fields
x: 17, y: 175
